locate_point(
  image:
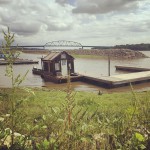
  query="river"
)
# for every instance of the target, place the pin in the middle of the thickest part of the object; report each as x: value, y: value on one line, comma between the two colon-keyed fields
x: 96, y: 67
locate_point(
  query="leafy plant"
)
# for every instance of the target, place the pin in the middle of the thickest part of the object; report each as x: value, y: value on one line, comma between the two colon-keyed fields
x: 13, y: 101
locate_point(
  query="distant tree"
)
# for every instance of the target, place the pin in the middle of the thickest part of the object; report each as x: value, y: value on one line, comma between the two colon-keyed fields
x: 140, y: 47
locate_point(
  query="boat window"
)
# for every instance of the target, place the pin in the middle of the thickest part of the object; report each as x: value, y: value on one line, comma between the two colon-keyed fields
x: 57, y: 66
x: 69, y: 65
x: 63, y: 56
x: 45, y: 65
x: 63, y: 62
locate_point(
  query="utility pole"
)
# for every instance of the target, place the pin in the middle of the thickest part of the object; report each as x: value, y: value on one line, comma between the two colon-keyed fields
x: 108, y: 65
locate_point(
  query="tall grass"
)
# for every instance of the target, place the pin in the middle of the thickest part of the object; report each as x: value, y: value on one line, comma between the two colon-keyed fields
x: 109, y: 121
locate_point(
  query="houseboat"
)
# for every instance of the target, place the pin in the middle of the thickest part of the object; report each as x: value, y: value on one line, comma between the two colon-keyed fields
x: 56, y: 67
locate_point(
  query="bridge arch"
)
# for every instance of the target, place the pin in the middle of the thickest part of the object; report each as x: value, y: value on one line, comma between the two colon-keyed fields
x: 63, y: 43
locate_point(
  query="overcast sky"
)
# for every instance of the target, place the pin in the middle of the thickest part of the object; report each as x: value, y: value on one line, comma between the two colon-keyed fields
x: 90, y: 22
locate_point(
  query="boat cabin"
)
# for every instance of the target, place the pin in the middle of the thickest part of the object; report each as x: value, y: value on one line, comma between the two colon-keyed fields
x: 58, y: 64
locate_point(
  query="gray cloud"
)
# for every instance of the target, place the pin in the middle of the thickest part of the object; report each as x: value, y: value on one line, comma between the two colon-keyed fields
x: 104, y: 6
x: 23, y: 28
x: 148, y: 24
x: 139, y: 26
x: 136, y: 29
x: 5, y: 1
x: 6, y: 16
x: 20, y: 20
x: 27, y: 18
x: 59, y: 27
x: 33, y: 20
x: 61, y: 2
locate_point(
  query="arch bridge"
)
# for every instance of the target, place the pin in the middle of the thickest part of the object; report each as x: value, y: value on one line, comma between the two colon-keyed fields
x: 63, y: 43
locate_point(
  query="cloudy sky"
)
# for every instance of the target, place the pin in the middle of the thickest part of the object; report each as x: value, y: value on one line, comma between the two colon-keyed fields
x: 90, y: 22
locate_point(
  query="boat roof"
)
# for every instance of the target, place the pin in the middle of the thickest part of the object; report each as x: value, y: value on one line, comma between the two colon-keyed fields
x: 52, y: 55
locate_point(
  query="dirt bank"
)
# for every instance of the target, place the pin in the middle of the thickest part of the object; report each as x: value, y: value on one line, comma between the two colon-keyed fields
x: 114, y: 53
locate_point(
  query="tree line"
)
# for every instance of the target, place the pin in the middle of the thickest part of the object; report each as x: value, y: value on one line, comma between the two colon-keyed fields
x: 140, y: 47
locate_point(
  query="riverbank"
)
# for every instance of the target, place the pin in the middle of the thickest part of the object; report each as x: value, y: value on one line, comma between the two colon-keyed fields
x: 112, y: 53
x: 99, y: 53
x: 94, y: 118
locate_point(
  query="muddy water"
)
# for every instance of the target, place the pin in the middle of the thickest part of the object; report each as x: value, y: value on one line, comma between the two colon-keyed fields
x: 93, y: 67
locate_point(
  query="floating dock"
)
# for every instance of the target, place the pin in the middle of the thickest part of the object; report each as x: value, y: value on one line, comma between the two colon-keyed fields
x: 107, y: 82
x: 132, y: 68
x: 19, y: 62
x: 119, y: 80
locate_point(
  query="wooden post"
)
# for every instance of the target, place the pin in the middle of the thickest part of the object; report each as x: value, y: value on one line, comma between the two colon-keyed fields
x: 49, y: 66
x: 42, y: 64
x: 108, y: 65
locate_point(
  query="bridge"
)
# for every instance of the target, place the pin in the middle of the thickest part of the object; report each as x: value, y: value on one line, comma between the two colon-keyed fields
x: 61, y: 43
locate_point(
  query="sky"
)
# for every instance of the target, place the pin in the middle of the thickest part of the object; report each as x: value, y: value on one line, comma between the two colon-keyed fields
x: 89, y: 22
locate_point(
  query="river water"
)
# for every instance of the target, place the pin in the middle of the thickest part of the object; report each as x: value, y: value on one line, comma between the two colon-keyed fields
x: 96, y: 67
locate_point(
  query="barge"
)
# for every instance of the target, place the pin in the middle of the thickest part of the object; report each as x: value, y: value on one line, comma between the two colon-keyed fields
x: 56, y: 67
x: 57, y: 79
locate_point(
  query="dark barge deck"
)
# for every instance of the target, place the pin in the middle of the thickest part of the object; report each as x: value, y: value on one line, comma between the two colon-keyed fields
x: 62, y: 79
x: 57, y: 79
x: 19, y: 62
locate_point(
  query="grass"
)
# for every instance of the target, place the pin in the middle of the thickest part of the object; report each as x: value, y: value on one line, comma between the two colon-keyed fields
x: 106, y: 103
x: 117, y: 114
x: 109, y: 103
x: 55, y: 98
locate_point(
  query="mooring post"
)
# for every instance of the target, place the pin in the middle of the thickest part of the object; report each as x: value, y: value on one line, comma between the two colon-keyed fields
x: 108, y: 65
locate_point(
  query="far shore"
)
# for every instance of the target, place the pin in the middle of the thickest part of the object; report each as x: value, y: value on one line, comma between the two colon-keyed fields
x: 97, y: 53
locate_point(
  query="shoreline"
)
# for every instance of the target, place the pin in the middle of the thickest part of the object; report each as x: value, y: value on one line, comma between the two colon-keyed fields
x: 97, y: 53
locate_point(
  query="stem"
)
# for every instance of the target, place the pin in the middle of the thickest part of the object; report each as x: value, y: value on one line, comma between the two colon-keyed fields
x: 12, y: 104
x: 69, y: 101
